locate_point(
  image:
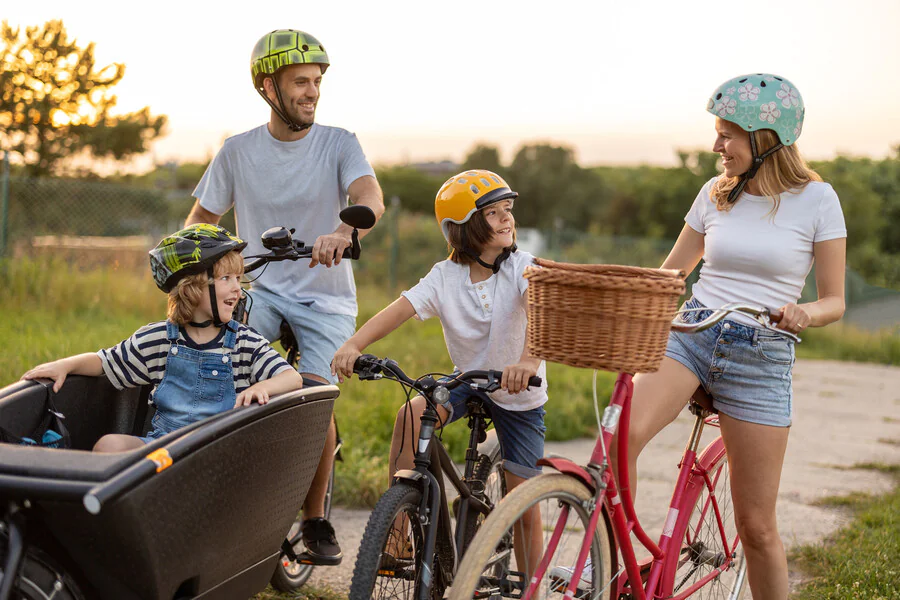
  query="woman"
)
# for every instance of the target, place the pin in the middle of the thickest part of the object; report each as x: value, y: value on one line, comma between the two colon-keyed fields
x: 758, y: 227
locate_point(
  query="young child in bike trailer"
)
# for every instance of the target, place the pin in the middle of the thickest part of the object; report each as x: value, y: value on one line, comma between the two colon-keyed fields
x: 478, y: 295
x: 200, y: 360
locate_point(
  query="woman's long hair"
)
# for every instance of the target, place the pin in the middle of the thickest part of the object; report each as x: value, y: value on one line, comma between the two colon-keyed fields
x: 185, y: 296
x: 783, y: 171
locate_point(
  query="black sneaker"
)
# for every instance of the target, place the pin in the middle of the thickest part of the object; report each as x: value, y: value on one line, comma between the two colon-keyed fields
x: 322, y: 547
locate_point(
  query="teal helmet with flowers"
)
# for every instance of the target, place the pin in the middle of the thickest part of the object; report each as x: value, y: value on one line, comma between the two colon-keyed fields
x: 760, y: 101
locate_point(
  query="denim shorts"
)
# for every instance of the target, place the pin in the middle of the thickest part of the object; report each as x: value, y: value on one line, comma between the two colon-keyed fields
x: 746, y: 370
x: 520, y: 433
x: 318, y: 334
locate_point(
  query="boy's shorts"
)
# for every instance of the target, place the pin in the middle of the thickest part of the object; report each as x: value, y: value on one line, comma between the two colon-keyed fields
x: 521, y: 433
x: 318, y: 334
x: 746, y: 370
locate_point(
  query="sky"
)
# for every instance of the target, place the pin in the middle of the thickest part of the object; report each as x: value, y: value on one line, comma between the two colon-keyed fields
x: 622, y: 82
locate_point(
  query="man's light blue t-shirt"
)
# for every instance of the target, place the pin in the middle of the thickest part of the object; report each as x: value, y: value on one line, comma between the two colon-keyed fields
x: 301, y: 185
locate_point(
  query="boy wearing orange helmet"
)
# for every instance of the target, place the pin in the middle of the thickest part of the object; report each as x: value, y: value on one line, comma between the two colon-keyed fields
x: 478, y: 294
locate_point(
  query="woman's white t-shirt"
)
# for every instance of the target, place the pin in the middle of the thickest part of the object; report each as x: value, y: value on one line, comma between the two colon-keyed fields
x: 754, y: 256
x: 484, y: 323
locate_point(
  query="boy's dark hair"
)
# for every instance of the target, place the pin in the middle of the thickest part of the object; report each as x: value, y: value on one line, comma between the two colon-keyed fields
x: 473, y: 234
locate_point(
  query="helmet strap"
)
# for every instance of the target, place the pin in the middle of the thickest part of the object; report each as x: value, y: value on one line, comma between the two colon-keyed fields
x: 495, y: 267
x: 280, y: 110
x: 212, y: 299
x: 754, y: 167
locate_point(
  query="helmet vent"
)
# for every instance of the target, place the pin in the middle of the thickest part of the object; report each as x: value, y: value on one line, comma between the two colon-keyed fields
x: 485, y: 182
x: 762, y: 84
x: 719, y: 96
x: 474, y: 188
x: 460, y: 180
x: 497, y: 181
x: 779, y: 79
x: 742, y: 80
x: 305, y: 47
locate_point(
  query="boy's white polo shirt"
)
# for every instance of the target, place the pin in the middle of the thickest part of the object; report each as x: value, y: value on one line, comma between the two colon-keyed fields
x: 484, y: 322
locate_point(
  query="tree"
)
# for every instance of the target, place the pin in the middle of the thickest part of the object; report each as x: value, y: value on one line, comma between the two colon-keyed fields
x: 55, y: 103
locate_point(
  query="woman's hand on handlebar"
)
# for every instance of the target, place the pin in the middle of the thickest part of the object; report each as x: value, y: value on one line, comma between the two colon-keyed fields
x: 515, y: 377
x: 791, y: 318
x: 344, y: 359
x: 329, y: 248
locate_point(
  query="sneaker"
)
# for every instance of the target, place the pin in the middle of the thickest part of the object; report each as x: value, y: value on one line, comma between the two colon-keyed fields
x: 322, y: 547
x: 561, y: 576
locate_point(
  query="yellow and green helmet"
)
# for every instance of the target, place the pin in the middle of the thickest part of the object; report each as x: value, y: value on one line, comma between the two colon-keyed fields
x: 192, y: 250
x: 760, y: 101
x: 281, y: 48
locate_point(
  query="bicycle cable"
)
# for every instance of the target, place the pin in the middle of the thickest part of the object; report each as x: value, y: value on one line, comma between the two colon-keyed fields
x: 258, y: 275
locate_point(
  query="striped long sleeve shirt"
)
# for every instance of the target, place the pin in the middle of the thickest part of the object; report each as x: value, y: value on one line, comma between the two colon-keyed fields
x: 141, y: 359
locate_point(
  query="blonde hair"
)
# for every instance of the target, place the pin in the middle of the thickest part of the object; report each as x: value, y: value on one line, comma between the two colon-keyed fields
x: 782, y: 171
x: 185, y: 296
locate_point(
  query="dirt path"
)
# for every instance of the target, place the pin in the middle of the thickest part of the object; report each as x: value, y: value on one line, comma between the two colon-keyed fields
x: 844, y: 414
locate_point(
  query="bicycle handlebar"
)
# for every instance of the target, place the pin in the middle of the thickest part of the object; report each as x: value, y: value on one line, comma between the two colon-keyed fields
x: 369, y: 367
x: 759, y: 314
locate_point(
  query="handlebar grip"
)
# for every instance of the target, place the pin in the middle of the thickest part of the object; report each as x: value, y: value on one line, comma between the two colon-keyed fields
x: 535, y: 381
x: 363, y: 361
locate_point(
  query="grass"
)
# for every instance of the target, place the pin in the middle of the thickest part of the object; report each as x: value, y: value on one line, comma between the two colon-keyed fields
x: 861, y: 560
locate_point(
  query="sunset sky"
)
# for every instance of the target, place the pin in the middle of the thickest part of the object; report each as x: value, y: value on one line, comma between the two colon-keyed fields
x: 620, y: 82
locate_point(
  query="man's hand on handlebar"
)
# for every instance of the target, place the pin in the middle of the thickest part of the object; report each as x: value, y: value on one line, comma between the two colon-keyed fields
x: 344, y: 359
x: 515, y: 377
x: 329, y: 248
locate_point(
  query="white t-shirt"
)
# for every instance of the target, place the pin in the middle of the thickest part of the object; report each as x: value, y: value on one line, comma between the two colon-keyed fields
x: 301, y: 184
x: 484, y: 323
x: 759, y: 258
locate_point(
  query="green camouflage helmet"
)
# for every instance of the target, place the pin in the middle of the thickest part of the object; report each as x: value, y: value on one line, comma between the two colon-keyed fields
x: 284, y: 47
x: 192, y: 250
x: 760, y: 101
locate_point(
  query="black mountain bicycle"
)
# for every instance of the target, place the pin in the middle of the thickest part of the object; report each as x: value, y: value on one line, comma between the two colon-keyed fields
x: 410, y: 548
x: 293, y: 568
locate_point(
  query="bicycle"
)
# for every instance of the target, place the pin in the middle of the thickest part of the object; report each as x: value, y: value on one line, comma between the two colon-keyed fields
x: 293, y: 569
x: 416, y: 501
x: 582, y: 507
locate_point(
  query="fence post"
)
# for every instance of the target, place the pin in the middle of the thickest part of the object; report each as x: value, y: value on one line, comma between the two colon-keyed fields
x: 4, y: 204
x: 395, y: 241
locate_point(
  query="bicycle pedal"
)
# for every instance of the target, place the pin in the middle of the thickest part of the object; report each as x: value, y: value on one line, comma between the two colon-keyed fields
x: 305, y: 558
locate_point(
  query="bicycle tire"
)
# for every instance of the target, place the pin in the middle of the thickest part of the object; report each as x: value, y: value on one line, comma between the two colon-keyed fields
x: 40, y: 577
x: 371, y: 577
x: 702, y: 549
x: 291, y: 575
x: 555, y: 489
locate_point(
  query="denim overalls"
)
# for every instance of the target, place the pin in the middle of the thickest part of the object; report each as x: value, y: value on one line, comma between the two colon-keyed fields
x: 197, y: 384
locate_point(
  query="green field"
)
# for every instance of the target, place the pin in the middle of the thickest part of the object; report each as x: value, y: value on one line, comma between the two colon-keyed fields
x: 54, y: 311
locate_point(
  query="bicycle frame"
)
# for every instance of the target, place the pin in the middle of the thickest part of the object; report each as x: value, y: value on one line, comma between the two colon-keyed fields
x: 429, y: 475
x: 617, y: 502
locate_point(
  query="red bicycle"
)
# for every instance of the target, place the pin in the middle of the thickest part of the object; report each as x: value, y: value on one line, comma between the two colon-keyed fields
x: 589, y: 515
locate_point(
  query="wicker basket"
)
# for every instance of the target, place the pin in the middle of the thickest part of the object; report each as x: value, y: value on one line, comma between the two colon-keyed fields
x: 606, y: 317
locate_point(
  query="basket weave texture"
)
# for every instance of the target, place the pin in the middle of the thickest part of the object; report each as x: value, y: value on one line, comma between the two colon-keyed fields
x: 608, y: 317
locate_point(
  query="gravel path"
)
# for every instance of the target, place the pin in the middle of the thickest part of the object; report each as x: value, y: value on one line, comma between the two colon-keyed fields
x: 844, y: 414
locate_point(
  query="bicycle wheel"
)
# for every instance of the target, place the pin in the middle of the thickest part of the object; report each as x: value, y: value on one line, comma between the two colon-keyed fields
x: 389, y: 559
x: 703, y: 549
x: 41, y: 578
x: 490, y: 567
x: 289, y: 574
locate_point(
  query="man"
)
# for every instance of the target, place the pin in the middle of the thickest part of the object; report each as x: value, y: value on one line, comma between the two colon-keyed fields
x: 290, y: 172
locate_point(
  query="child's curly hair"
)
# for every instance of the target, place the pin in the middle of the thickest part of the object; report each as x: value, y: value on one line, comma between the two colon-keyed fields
x: 185, y: 296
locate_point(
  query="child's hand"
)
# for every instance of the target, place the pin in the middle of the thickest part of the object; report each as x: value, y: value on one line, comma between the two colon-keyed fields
x: 344, y: 359
x: 254, y: 392
x: 56, y: 370
x: 515, y: 377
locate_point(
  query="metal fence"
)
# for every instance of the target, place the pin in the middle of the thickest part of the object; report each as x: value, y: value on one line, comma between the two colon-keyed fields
x: 99, y: 222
